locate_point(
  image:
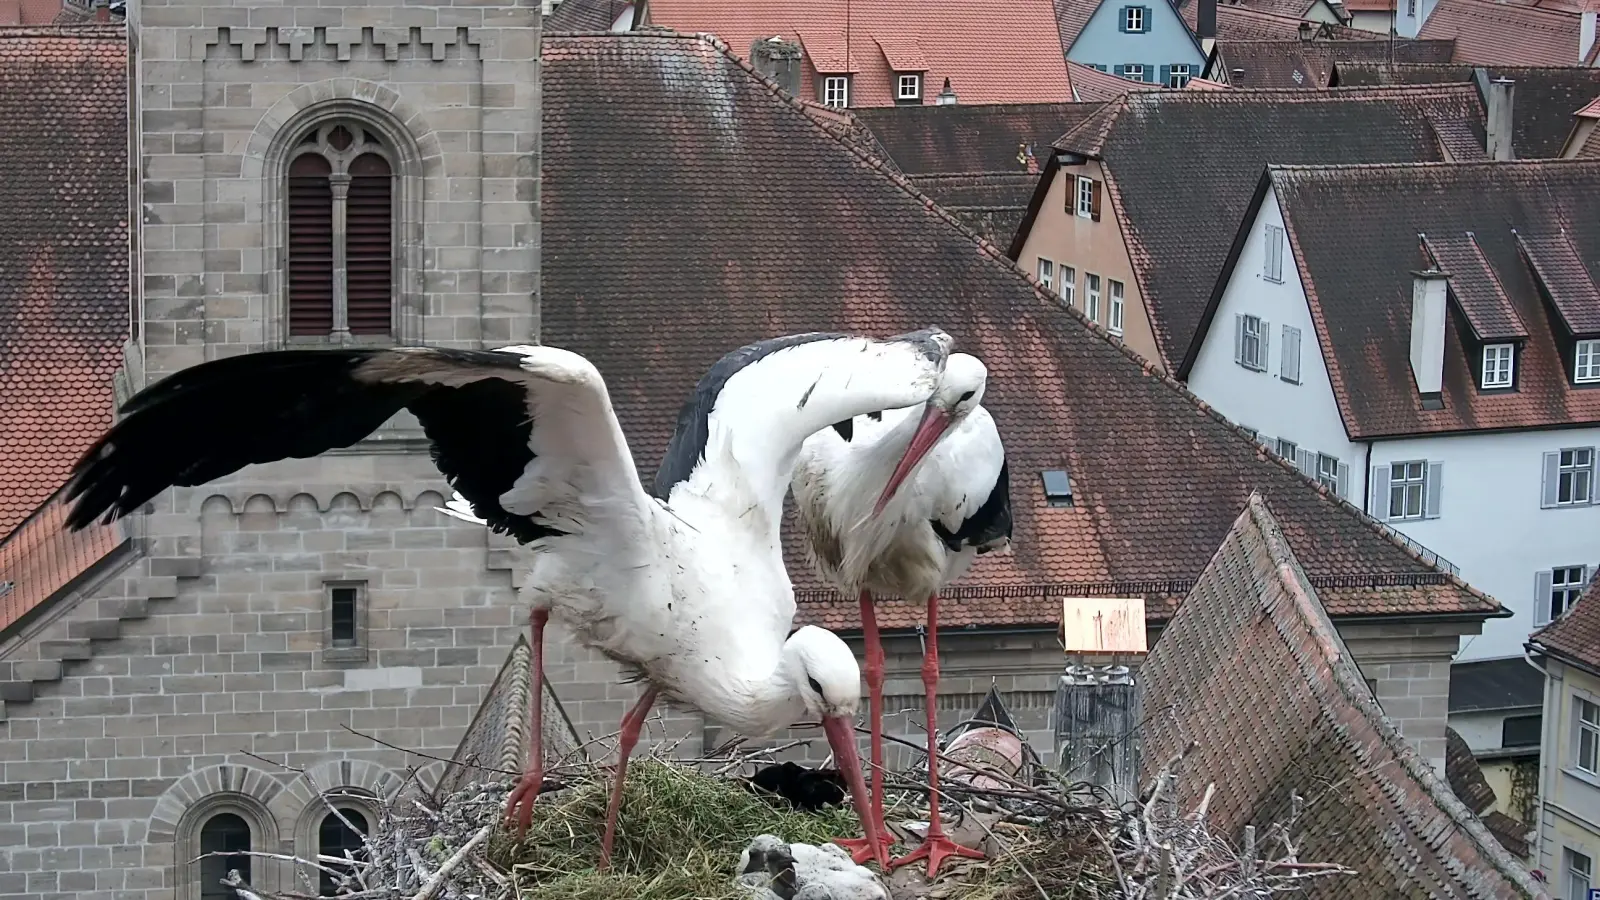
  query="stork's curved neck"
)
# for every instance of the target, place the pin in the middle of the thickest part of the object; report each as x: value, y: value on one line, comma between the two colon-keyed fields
x: 750, y: 429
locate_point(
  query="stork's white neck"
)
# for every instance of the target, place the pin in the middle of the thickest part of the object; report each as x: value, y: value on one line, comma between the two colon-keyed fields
x: 764, y: 412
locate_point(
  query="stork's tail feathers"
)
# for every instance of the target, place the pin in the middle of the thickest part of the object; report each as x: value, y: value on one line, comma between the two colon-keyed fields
x: 458, y: 507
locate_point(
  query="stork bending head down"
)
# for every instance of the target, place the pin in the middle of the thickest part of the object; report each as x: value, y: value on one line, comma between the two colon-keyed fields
x: 686, y: 588
x: 901, y: 504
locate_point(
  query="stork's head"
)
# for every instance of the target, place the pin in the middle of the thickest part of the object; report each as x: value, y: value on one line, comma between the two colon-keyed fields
x: 824, y: 673
x: 960, y: 391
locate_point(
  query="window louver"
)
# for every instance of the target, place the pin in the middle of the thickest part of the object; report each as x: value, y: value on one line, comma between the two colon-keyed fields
x: 310, y: 246
x: 368, y: 246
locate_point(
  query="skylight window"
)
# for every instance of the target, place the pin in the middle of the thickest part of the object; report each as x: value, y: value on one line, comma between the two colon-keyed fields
x: 1057, y: 487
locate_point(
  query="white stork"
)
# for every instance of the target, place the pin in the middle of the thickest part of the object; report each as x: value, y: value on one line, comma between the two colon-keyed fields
x: 957, y: 506
x: 687, y: 588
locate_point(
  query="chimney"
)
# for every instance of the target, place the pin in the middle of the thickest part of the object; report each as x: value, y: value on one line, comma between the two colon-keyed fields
x: 1427, y: 334
x: 1498, y: 141
x: 1205, y: 22
x: 946, y: 97
x: 1586, y: 26
x: 1098, y: 699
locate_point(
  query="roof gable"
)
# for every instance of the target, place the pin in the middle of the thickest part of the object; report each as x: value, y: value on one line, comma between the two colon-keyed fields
x: 1159, y: 146
x: 1489, y: 214
x: 1101, y: 38
x: 63, y: 251
x: 754, y: 220
x: 1254, y: 618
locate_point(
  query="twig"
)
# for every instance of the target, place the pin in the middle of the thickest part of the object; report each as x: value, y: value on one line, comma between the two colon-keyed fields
x: 433, y: 885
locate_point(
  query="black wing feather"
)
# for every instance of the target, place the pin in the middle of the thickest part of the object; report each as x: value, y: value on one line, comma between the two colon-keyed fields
x: 215, y: 418
x: 988, y: 523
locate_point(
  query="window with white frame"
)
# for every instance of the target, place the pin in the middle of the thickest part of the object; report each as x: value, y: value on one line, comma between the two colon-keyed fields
x: 1289, y: 355
x: 1047, y: 273
x: 1133, y: 19
x: 1178, y: 75
x: 1085, y: 197
x: 1114, y: 322
x: 1568, y: 477
x: 1586, y: 719
x: 1091, y: 296
x: 836, y: 91
x: 1272, y: 269
x: 1497, y: 365
x: 1555, y: 590
x: 909, y: 87
x: 1328, y: 472
x: 1408, y: 487
x: 1068, y: 288
x: 1580, y: 873
x: 1586, y: 362
x: 1250, y: 342
x: 1133, y: 71
x: 1286, y: 449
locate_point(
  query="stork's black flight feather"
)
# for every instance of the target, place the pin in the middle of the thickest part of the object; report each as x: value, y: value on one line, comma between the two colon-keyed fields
x: 215, y: 418
x: 987, y: 524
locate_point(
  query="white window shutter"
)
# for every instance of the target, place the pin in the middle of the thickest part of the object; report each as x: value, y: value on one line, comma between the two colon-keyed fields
x: 1262, y: 359
x: 1551, y: 484
x: 1435, y: 487
x: 1238, y: 338
x: 1541, y: 598
x: 1378, y: 482
x: 1343, y: 480
x: 1289, y: 369
x: 1592, y: 498
x: 1305, y: 461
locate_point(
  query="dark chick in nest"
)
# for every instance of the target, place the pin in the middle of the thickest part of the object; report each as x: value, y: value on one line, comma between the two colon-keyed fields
x: 806, y: 789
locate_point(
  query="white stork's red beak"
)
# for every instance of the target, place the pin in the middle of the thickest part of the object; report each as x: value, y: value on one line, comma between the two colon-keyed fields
x: 841, y: 732
x: 929, y: 430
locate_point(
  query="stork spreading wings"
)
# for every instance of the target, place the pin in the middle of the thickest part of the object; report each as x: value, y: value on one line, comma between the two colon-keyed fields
x: 687, y: 588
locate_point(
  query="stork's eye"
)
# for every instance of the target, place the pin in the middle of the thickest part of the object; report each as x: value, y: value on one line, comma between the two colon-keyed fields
x: 815, y: 685
x: 967, y: 396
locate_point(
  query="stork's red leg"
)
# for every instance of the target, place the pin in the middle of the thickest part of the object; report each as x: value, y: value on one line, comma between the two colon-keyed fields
x: 937, y: 846
x: 631, y: 723
x: 520, y: 804
x: 861, y: 848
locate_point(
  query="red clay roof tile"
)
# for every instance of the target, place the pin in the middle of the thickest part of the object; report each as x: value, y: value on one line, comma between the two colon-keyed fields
x: 1293, y: 63
x: 1575, y: 636
x: 992, y: 53
x: 1491, y: 33
x: 1090, y: 85
x: 41, y: 556
x: 1253, y: 671
x: 1378, y: 214
x: 754, y: 220
x: 63, y: 251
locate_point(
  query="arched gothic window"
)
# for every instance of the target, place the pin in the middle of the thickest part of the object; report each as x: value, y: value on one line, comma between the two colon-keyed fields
x: 341, y: 234
x: 228, y: 836
x: 334, y: 837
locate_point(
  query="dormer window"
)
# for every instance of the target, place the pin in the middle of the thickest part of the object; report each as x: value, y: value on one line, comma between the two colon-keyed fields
x: 1586, y: 362
x: 836, y: 91
x: 1057, y: 487
x: 909, y: 87
x: 1498, y: 362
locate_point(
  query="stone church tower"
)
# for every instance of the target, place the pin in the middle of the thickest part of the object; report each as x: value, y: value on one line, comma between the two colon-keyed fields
x: 305, y: 175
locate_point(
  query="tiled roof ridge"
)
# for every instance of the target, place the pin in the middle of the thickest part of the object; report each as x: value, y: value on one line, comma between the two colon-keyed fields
x: 1459, y: 164
x: 1046, y: 295
x: 99, y: 30
x: 1346, y: 679
x: 1101, y: 120
x: 1317, y: 95
x: 1473, y: 7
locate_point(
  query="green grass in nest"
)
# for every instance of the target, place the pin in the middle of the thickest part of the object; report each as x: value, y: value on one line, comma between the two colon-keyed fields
x: 679, y: 836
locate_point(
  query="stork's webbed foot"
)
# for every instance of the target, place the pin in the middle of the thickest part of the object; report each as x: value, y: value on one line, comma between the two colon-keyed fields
x: 862, y: 848
x: 937, y: 848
